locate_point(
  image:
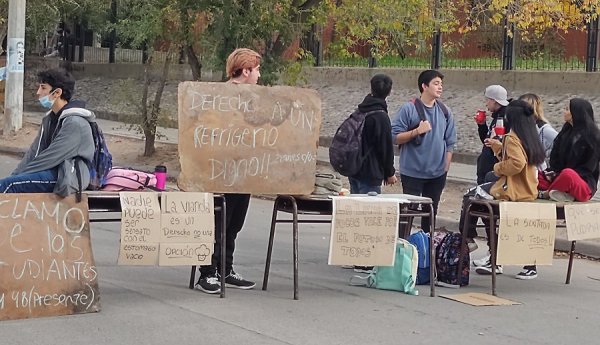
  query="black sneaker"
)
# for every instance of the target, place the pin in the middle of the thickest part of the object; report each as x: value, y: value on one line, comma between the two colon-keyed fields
x: 526, y: 274
x: 236, y: 281
x: 363, y: 269
x: 209, y: 284
x: 487, y: 269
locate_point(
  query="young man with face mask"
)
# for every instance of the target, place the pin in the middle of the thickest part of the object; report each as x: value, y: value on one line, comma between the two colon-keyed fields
x: 63, y: 145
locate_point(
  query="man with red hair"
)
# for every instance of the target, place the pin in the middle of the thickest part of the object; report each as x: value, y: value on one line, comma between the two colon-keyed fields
x: 243, y: 67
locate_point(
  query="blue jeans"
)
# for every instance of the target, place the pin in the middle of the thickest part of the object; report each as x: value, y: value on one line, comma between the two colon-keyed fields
x: 38, y: 182
x: 362, y: 187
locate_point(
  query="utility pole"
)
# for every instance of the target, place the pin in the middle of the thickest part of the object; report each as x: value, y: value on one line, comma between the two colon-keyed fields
x: 15, y: 67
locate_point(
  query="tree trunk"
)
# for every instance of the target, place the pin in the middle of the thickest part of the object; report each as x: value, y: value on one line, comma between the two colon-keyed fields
x: 193, y: 61
x: 150, y: 128
x: 144, y: 105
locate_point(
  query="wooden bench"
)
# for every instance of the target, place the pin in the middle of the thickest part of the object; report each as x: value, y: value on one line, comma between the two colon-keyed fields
x: 304, y: 209
x: 106, y: 207
x: 490, y: 210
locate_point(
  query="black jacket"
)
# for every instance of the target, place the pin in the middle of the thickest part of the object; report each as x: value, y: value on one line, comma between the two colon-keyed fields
x: 486, y: 159
x: 377, y: 142
x: 571, y: 150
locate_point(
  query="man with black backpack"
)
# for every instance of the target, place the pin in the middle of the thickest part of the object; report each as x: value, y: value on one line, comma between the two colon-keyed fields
x: 426, y: 132
x: 377, y: 145
x: 58, y: 158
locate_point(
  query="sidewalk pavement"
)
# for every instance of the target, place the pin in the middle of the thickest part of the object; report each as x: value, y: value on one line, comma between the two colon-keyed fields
x: 459, y: 173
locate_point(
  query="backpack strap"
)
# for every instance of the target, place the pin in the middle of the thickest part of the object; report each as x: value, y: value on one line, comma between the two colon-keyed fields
x: 79, y: 189
x: 367, y: 114
x: 420, y: 107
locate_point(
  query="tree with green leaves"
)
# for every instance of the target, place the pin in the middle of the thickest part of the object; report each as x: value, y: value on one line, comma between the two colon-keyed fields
x: 145, y: 24
x: 388, y: 27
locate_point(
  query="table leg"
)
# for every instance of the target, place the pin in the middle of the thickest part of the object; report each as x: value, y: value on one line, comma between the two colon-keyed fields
x: 271, y: 239
x: 193, y: 277
x: 223, y: 244
x: 569, y: 270
x: 431, y: 252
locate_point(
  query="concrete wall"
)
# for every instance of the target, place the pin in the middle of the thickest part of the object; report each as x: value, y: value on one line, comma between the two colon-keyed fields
x: 540, y: 81
x: 136, y: 71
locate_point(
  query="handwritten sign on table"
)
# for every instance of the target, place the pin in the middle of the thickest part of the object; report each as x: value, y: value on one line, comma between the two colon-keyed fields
x: 583, y: 221
x: 248, y: 138
x: 46, y: 263
x: 187, y: 229
x: 363, y: 232
x: 140, y: 228
x: 526, y: 233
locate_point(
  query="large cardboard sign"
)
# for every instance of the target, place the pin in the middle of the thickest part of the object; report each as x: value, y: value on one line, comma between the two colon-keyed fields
x: 248, y: 138
x: 140, y: 228
x: 363, y: 232
x: 583, y: 221
x: 187, y: 229
x: 46, y: 262
x: 526, y: 233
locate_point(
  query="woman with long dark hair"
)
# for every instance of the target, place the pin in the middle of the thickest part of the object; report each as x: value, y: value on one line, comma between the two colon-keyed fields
x: 573, y: 172
x: 519, y: 154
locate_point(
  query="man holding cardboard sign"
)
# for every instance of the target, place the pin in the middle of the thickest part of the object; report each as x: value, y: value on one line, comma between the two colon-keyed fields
x: 243, y: 67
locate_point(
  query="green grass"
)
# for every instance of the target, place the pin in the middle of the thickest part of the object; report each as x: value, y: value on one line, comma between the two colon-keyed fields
x: 492, y: 63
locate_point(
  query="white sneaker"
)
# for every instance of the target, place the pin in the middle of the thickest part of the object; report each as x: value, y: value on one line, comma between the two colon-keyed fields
x: 483, y: 261
x: 559, y: 196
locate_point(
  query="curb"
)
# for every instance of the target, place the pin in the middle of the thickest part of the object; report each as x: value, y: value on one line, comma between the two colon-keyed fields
x: 561, y: 244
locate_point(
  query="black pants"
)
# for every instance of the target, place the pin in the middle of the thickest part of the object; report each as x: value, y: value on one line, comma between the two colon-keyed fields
x: 235, y: 215
x: 472, y: 226
x: 430, y: 188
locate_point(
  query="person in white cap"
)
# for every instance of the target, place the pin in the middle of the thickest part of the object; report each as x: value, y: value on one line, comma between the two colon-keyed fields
x: 496, y: 100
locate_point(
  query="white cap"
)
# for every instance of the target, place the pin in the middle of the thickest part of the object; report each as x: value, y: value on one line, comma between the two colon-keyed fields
x: 497, y: 93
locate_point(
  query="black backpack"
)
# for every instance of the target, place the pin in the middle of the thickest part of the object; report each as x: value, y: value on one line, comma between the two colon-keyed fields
x: 420, y: 107
x: 446, y: 261
x: 345, y: 152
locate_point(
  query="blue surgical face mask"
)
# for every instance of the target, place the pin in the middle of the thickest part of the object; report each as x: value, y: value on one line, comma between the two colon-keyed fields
x: 46, y: 102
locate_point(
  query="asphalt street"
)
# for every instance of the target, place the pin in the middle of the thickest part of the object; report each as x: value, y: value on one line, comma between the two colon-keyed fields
x: 152, y: 305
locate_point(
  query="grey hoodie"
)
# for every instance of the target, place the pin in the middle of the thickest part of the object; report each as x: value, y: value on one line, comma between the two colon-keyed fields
x: 71, y: 146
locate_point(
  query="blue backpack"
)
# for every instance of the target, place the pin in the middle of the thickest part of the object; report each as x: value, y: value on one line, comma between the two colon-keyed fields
x: 346, y: 152
x: 102, y: 161
x: 421, y: 241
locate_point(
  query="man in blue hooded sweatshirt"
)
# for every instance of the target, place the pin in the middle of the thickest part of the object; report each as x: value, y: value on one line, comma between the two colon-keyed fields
x: 427, y: 145
x: 63, y: 147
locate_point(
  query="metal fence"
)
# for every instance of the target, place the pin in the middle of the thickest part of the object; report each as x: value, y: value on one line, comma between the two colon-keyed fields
x: 101, y: 55
x: 491, y: 47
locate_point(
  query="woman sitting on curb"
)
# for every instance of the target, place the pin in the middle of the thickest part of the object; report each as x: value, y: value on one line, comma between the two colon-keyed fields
x: 519, y: 154
x: 573, y: 172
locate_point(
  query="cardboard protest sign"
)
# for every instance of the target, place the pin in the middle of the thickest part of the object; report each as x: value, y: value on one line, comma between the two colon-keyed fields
x: 46, y: 263
x: 187, y: 229
x: 140, y: 228
x: 526, y: 233
x: 583, y: 221
x: 248, y: 138
x: 363, y: 232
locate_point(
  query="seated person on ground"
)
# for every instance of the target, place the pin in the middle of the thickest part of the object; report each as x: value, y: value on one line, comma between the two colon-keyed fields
x: 63, y: 146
